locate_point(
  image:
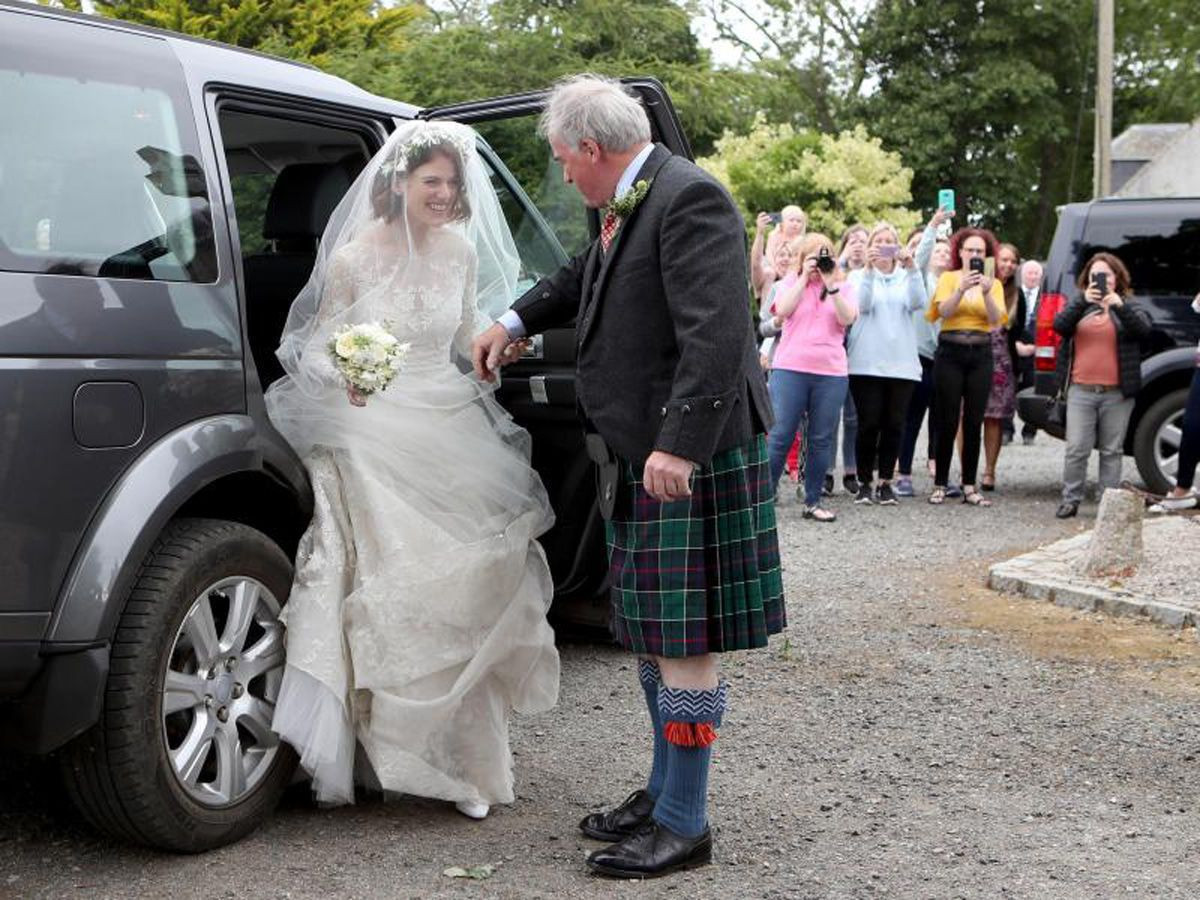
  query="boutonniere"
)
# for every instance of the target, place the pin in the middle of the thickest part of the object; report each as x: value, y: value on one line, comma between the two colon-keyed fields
x: 624, y: 206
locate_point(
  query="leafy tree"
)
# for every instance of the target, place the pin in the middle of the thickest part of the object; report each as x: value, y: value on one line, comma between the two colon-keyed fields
x: 986, y: 98
x: 1157, y: 62
x: 312, y: 31
x: 837, y: 179
x: 808, y: 53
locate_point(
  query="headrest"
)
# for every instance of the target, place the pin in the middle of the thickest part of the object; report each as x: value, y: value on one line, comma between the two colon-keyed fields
x: 302, y: 199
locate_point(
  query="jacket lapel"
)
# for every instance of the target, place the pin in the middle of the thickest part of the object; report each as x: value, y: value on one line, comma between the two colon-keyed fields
x: 649, y: 169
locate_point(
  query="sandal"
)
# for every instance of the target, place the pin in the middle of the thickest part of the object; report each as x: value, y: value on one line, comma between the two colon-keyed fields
x: 988, y: 482
x: 938, y: 497
x: 974, y: 498
x: 819, y: 514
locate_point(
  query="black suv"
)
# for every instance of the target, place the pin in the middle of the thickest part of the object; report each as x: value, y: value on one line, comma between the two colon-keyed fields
x: 161, y: 199
x: 1159, y: 242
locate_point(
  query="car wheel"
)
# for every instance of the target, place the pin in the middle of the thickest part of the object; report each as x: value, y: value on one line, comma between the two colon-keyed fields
x: 183, y: 757
x: 1157, y: 439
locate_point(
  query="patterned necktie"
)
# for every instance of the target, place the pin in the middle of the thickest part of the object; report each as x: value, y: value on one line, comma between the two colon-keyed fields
x: 608, y: 228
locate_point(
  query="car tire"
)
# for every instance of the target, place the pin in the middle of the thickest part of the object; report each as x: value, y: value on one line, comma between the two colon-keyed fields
x: 1146, y: 440
x: 188, y: 606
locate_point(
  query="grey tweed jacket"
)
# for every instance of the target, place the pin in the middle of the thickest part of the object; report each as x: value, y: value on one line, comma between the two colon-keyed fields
x: 665, y: 340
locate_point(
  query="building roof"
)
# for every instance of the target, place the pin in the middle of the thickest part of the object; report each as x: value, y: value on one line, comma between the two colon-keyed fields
x: 1145, y: 142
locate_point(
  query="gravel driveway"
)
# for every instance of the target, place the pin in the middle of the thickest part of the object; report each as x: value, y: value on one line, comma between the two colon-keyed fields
x: 911, y: 735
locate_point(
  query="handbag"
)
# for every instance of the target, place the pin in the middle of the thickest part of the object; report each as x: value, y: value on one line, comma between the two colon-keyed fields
x: 1056, y: 409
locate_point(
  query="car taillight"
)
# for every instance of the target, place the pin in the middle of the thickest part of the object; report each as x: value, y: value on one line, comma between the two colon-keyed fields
x: 1046, y: 339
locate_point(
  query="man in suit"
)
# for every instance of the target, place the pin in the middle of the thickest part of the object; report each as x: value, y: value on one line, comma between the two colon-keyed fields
x: 676, y: 408
x: 1031, y: 291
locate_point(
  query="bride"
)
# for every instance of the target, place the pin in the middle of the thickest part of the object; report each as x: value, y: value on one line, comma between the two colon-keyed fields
x: 416, y: 622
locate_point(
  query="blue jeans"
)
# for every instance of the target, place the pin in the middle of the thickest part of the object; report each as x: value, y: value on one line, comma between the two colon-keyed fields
x: 793, y: 394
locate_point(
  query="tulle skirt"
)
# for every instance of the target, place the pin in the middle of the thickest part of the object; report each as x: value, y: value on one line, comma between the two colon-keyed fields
x: 417, y: 620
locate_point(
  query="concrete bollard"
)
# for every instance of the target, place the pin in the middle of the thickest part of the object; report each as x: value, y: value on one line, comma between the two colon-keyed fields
x: 1116, y: 544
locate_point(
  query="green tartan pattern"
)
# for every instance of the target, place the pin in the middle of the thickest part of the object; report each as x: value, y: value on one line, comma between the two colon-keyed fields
x: 702, y: 574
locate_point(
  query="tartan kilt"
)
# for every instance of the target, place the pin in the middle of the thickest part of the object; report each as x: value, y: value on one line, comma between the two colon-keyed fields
x: 702, y: 574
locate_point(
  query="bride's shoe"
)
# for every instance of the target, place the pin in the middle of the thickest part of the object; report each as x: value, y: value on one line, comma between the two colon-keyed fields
x: 472, y: 810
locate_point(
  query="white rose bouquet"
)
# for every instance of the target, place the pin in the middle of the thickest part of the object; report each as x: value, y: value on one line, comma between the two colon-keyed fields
x: 367, y: 355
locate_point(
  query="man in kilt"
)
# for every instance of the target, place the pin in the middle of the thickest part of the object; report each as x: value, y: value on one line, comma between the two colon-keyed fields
x: 676, y: 410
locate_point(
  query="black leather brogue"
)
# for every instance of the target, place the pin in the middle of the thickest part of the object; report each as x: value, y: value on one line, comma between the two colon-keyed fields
x: 651, y: 851
x: 616, y: 824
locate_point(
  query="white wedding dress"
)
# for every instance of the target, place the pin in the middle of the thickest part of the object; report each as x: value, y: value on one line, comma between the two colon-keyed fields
x: 417, y: 620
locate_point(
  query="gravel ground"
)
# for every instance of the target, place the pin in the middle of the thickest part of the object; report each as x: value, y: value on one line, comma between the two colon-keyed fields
x: 1168, y: 571
x: 912, y: 735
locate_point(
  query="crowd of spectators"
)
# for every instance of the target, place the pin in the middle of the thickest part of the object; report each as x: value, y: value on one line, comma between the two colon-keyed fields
x: 879, y: 338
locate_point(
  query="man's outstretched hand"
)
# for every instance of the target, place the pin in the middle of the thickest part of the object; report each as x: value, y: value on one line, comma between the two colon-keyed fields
x: 493, y: 349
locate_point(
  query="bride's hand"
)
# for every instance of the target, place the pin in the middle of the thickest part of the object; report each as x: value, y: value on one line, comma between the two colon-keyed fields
x: 357, y: 397
x: 488, y: 352
x: 512, y: 353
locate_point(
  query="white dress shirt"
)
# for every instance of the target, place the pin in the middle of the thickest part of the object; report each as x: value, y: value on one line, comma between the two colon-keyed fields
x: 510, y: 320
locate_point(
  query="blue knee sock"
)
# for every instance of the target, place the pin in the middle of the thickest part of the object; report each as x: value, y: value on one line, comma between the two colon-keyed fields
x: 691, y: 718
x: 651, y: 679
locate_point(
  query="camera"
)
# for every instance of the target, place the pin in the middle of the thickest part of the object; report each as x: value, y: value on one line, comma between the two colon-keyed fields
x: 976, y: 264
x: 825, y: 261
x: 775, y: 217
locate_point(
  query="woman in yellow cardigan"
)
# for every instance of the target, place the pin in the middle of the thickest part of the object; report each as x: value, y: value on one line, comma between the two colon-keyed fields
x: 969, y: 303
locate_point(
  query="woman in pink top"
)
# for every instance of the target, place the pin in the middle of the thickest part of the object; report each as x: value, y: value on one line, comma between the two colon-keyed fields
x: 809, y: 373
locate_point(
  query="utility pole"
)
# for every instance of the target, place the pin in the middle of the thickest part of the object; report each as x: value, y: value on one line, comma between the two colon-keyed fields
x: 1102, y: 177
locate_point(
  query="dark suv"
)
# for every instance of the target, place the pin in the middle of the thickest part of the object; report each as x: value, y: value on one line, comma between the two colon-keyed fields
x: 161, y: 199
x: 1159, y: 242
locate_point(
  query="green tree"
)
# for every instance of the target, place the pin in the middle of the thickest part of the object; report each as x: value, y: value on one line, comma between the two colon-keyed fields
x: 1157, y: 63
x: 314, y: 31
x: 986, y: 98
x: 838, y: 179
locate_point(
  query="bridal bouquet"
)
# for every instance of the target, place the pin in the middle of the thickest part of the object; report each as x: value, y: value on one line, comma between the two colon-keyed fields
x: 367, y: 355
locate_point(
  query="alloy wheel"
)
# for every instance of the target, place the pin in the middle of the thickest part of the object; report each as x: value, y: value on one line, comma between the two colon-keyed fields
x: 219, y: 691
x: 1166, y: 446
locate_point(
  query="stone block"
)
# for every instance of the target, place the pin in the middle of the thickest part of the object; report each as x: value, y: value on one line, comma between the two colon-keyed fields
x: 1116, y: 541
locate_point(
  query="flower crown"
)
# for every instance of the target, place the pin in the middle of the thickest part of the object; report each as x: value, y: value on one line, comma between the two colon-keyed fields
x: 431, y: 134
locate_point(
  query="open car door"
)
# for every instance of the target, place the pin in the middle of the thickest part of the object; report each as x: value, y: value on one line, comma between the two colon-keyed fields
x: 550, y: 224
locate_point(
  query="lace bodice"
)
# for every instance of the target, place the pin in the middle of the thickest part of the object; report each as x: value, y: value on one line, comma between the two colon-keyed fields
x: 428, y: 301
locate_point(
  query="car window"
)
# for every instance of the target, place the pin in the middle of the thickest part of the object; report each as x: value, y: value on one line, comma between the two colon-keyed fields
x: 526, y: 155
x: 99, y: 160
x: 1161, y: 251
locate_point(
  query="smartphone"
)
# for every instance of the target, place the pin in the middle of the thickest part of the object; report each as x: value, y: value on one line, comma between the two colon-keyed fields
x: 1100, y: 280
x: 946, y: 199
x: 975, y: 264
x: 775, y: 217
x: 825, y: 261
x: 989, y: 267
x: 888, y: 251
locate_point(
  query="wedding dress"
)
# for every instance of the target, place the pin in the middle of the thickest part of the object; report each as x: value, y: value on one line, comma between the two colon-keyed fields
x: 417, y: 618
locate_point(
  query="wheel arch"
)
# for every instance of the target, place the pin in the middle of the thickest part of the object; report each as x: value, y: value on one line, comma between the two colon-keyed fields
x: 226, y: 459
x: 1161, y: 374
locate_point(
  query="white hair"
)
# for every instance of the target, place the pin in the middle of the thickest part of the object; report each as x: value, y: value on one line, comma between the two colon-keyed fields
x: 1031, y: 262
x: 595, y: 107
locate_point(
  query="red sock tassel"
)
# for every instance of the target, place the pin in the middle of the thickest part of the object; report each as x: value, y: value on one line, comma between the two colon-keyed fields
x: 689, y: 734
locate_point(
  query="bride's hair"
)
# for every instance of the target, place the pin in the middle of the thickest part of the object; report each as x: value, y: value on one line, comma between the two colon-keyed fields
x: 406, y: 157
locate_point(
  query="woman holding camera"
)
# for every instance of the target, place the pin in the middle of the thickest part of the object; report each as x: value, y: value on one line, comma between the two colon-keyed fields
x: 883, y: 361
x: 969, y: 304
x: 932, y: 256
x: 809, y: 373
x: 1100, y: 365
